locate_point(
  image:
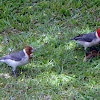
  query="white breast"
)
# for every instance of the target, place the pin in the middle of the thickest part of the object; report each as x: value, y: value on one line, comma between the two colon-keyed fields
x: 13, y: 63
x: 89, y: 44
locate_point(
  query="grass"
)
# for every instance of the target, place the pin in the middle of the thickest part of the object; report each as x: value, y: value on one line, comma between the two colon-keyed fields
x: 56, y: 71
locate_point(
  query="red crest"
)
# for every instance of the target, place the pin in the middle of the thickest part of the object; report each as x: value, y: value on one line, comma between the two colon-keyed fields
x: 98, y: 32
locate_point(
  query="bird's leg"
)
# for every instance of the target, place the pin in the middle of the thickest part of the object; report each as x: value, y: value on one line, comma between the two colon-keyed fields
x: 14, y: 73
x: 85, y: 50
x: 13, y: 69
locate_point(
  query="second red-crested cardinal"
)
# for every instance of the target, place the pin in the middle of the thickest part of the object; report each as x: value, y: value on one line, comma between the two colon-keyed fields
x: 18, y: 58
x: 88, y: 40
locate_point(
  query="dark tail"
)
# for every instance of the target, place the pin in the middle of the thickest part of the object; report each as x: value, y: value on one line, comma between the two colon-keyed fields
x: 1, y: 59
x: 70, y: 40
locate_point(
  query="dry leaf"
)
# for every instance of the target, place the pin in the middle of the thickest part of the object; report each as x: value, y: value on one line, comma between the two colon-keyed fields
x: 89, y: 55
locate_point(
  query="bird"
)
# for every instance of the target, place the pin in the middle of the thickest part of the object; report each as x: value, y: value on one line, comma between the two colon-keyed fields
x: 18, y: 58
x: 89, y: 39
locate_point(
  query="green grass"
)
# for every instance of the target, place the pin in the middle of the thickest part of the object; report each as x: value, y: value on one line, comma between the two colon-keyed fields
x: 56, y: 71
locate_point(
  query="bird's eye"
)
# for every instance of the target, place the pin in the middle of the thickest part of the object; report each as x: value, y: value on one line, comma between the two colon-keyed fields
x: 29, y: 49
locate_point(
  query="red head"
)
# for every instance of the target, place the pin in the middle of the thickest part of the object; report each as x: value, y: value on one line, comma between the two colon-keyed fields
x: 29, y: 50
x: 98, y: 32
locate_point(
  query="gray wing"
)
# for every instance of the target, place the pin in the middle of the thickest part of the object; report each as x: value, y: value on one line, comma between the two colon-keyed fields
x: 85, y: 37
x: 17, y: 56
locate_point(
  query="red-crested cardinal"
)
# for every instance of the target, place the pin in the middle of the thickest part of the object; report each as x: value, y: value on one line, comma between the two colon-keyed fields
x: 18, y: 58
x: 88, y: 40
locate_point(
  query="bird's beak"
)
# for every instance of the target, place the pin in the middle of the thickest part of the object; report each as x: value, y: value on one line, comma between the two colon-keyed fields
x: 32, y: 50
